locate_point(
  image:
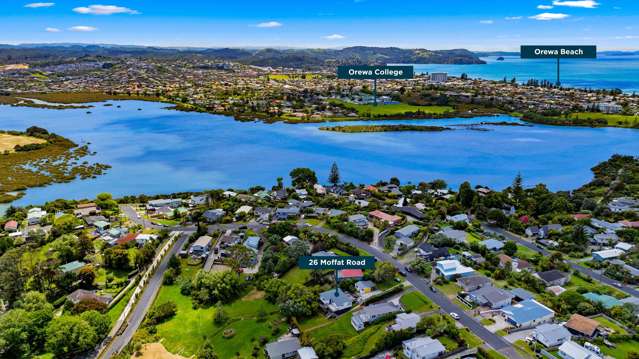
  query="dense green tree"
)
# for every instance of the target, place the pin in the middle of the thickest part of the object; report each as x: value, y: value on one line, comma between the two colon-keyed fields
x: 330, y: 347
x: 212, y: 287
x: 206, y: 352
x: 384, y: 271
x: 98, y: 321
x: 466, y: 195
x: 510, y: 248
x: 68, y: 336
x: 334, y: 177
x: 303, y: 177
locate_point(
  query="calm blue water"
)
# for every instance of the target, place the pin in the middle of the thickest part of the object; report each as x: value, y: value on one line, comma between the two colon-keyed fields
x: 161, y: 151
x: 604, y: 72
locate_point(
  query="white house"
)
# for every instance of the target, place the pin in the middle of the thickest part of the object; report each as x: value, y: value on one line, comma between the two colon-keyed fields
x: 422, y: 348
x: 607, y: 254
x: 551, y: 335
x: 572, y: 350
x: 452, y: 268
x: 35, y: 215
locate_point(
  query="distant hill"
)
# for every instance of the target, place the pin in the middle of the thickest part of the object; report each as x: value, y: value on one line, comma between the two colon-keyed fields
x: 259, y: 57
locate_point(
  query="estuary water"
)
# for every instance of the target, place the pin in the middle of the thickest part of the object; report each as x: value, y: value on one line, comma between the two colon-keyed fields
x: 154, y: 150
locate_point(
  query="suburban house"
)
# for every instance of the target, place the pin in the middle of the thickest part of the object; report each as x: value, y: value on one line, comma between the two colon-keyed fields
x: 407, y: 232
x: 142, y: 238
x: 11, y: 226
x: 282, y: 214
x: 532, y: 231
x: 551, y: 335
x: 606, y: 300
x: 359, y: 220
x: 382, y: 217
x: 412, y: 212
x: 201, y: 246
x: 166, y: 202
x: 336, y: 301
x: 527, y: 313
x: 623, y: 204
x: 86, y: 209
x: 82, y: 295
x: 454, y: 234
x: 356, y: 274
x: 572, y: 350
x: 405, y: 321
x: 430, y: 252
x: 422, y: 348
x: 452, y: 268
x: 74, y: 266
x: 290, y: 239
x: 607, y: 254
x: 626, y: 247
x: 493, y: 244
x: 307, y: 353
x: 253, y: 243
x: 492, y: 297
x: 35, y: 215
x: 582, y: 326
x: 544, y: 231
x: 283, y: 349
x: 520, y: 294
x: 213, y: 215
x: 364, y: 287
x: 604, y: 239
x: 553, y: 277
x: 244, y: 210
x: 469, y: 284
x: 369, y: 314
x: 462, y: 217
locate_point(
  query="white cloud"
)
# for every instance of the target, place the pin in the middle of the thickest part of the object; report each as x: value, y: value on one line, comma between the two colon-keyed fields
x: 334, y: 37
x: 52, y: 29
x: 83, y: 28
x: 544, y: 7
x: 588, y: 4
x: 104, y: 10
x: 548, y: 16
x: 486, y: 22
x: 34, y: 5
x: 269, y: 24
x: 513, y: 18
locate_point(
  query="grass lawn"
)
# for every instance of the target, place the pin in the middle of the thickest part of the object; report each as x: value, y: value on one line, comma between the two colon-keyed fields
x: 114, y: 312
x: 471, y: 339
x: 358, y: 344
x: 450, y: 289
x: 473, y: 238
x: 297, y: 275
x: 493, y: 354
x: 391, y: 110
x: 576, y: 282
x: 622, y: 349
x: 613, y: 119
x: 525, y: 252
x: 416, y: 302
x: 487, y: 321
x: 313, y: 221
x: 523, y: 349
x: 611, y: 325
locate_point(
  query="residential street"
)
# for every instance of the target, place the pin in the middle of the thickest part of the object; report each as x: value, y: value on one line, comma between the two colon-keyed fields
x: 585, y: 270
x: 144, y: 302
x: 446, y: 305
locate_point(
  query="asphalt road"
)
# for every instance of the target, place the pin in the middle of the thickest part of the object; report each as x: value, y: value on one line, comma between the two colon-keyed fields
x: 447, y: 306
x: 575, y: 266
x: 145, y: 301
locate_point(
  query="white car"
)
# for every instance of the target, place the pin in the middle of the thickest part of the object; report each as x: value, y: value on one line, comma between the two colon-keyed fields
x: 454, y: 315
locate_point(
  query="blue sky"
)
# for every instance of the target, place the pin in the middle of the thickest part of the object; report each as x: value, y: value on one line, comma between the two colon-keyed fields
x: 432, y: 24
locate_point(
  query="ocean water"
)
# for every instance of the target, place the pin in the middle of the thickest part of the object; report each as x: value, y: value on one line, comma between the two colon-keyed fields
x: 608, y: 72
x: 157, y: 151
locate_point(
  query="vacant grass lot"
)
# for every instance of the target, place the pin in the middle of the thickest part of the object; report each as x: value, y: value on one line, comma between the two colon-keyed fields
x: 393, y: 109
x: 187, y: 332
x: 416, y: 302
x: 8, y: 142
x: 576, y: 282
x: 611, y: 325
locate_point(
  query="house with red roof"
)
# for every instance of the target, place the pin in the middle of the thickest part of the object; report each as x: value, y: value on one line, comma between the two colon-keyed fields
x: 579, y: 216
x: 350, y: 274
x: 380, y: 216
x: 126, y: 238
x: 11, y: 226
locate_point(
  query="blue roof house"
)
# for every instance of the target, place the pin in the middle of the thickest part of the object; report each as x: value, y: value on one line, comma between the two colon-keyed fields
x: 527, y: 313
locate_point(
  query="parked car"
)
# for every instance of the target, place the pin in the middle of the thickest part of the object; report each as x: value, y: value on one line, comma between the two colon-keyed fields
x: 454, y: 315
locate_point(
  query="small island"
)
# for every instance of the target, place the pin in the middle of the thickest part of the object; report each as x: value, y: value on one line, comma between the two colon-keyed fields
x: 384, y: 128
x: 36, y: 158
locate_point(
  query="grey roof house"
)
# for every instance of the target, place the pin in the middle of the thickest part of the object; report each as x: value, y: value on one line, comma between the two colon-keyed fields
x: 551, y: 335
x: 283, y: 349
x: 336, y: 302
x: 492, y: 297
x: 369, y: 314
